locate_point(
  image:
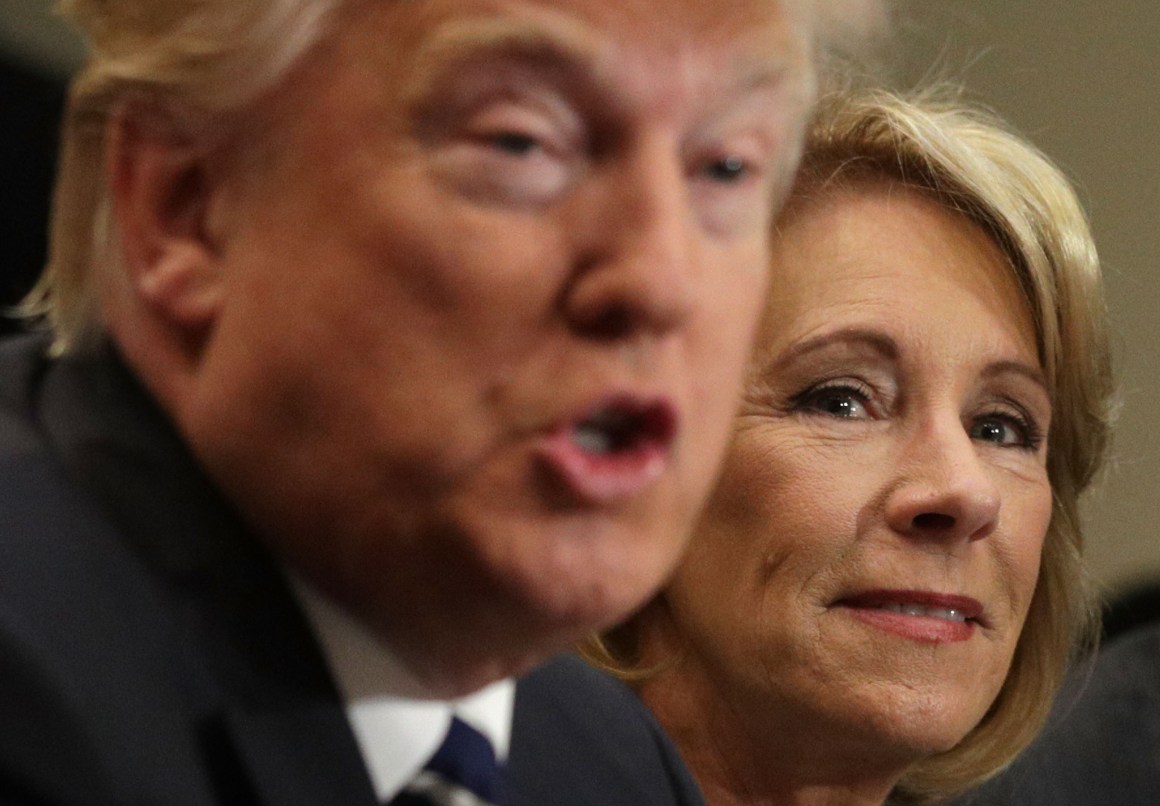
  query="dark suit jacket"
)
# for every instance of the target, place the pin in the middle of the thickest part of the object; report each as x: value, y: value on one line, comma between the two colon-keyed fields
x: 1102, y: 744
x: 151, y: 653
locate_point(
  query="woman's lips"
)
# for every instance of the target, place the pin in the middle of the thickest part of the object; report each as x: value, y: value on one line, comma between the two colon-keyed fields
x: 922, y: 616
x: 615, y: 450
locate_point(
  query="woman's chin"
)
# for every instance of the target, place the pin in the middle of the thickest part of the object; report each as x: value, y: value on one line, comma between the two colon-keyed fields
x: 912, y: 729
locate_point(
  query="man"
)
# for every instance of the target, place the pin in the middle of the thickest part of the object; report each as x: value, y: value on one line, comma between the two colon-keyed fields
x: 394, y: 348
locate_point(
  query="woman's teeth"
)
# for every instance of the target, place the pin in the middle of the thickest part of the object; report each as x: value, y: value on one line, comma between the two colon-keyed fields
x: 944, y: 613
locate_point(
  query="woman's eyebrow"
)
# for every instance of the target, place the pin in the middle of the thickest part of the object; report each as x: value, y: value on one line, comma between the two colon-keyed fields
x: 875, y: 340
x: 1020, y: 368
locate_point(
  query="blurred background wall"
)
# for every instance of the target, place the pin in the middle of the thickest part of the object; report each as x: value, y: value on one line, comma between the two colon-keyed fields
x: 1078, y: 78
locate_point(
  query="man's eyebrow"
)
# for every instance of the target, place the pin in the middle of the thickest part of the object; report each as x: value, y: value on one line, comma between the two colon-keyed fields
x: 566, y: 47
x: 457, y: 45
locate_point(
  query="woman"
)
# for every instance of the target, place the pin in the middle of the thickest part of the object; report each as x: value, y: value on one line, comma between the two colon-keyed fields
x: 886, y: 587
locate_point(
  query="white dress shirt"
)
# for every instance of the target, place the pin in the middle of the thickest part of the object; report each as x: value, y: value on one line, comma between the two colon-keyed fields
x: 396, y: 734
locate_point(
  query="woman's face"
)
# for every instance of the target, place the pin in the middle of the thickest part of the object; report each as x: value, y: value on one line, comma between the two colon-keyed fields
x: 864, y: 568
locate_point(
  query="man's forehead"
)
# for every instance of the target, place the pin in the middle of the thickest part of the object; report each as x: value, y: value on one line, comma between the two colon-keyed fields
x: 750, y: 41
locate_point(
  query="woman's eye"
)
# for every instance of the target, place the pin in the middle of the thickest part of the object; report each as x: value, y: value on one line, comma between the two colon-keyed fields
x: 844, y: 402
x: 1005, y: 430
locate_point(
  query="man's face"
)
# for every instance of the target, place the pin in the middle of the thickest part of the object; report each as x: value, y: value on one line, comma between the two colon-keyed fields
x: 488, y: 294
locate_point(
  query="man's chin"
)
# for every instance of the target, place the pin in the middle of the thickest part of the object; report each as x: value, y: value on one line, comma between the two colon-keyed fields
x: 531, y: 594
x: 447, y: 678
x: 586, y: 580
x: 510, y: 645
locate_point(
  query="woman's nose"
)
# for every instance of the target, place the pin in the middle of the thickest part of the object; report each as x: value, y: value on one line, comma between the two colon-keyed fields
x: 637, y: 260
x: 945, y: 490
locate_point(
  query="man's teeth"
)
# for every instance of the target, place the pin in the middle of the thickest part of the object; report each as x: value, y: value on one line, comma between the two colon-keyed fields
x: 607, y: 432
x: 944, y: 613
x: 592, y: 438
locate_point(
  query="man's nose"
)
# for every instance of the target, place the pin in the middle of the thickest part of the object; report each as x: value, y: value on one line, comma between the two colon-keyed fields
x: 638, y: 256
x: 945, y: 491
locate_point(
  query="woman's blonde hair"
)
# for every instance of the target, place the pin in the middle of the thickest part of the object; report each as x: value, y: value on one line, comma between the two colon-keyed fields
x: 968, y: 162
x: 201, y: 62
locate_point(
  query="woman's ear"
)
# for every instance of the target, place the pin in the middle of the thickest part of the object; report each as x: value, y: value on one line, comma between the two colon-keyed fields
x: 162, y: 183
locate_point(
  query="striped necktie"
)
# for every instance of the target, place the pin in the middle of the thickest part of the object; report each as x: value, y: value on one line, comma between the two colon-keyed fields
x: 463, y: 772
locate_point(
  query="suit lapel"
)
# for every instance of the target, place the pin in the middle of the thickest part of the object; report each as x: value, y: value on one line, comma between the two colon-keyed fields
x: 580, y: 737
x: 304, y: 756
x: 269, y: 719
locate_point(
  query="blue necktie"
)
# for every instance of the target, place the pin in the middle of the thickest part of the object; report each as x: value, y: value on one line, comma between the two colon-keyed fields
x: 463, y: 772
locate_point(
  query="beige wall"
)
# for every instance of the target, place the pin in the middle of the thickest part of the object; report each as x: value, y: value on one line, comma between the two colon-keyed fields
x: 1082, y: 80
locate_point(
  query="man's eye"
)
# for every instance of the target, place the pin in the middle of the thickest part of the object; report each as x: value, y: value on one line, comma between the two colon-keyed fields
x: 514, y: 143
x: 727, y: 169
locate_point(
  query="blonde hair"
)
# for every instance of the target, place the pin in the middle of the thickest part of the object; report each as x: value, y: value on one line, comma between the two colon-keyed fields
x: 202, y: 62
x: 967, y: 161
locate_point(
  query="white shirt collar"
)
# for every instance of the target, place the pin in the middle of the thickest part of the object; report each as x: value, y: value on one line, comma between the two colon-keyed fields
x: 396, y: 734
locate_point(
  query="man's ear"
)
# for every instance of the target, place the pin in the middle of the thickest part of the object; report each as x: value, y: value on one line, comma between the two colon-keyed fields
x: 162, y: 182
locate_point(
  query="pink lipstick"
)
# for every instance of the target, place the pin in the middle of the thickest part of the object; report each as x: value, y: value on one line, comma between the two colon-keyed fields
x: 923, y: 616
x: 613, y: 451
